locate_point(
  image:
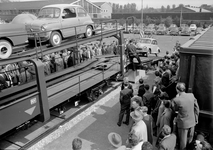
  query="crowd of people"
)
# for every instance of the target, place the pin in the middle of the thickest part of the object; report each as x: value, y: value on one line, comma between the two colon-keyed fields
x: 162, y: 110
x: 23, y: 72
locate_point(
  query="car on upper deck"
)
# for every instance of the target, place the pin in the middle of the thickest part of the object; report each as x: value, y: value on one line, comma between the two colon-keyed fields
x: 193, y: 27
x: 59, y: 21
x: 149, y: 30
x: 146, y: 46
x: 13, y: 34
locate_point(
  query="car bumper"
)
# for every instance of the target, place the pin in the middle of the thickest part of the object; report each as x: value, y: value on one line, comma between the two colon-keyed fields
x: 42, y: 36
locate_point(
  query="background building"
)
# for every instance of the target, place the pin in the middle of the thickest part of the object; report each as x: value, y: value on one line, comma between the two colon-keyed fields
x: 188, y: 9
x: 106, y: 9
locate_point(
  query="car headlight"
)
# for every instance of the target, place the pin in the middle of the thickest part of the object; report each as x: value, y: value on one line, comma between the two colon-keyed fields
x: 144, y: 48
x: 43, y: 28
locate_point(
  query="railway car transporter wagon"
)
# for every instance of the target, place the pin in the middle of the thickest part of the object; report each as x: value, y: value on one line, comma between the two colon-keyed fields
x: 59, y: 21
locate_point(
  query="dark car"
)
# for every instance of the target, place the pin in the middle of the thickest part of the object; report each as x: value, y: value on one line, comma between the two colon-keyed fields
x: 161, y: 31
x: 149, y: 30
x: 174, y: 31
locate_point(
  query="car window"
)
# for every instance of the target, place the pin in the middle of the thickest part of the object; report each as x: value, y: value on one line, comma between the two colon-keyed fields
x: 68, y: 13
x: 81, y: 12
x: 49, y: 12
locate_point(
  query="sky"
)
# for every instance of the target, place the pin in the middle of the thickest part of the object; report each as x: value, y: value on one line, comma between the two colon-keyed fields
x: 159, y: 3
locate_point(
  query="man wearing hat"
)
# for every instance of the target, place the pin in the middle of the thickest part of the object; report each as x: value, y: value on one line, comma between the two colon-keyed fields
x: 139, y: 128
x: 115, y: 139
x: 131, y: 50
x: 141, y: 90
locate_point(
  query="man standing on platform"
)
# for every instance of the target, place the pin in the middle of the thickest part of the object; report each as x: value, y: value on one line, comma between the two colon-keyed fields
x: 187, y: 117
x: 131, y: 50
x: 125, y: 99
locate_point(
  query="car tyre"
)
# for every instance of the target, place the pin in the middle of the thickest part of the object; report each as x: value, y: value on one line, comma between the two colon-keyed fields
x: 55, y: 38
x: 5, y: 49
x: 88, y: 32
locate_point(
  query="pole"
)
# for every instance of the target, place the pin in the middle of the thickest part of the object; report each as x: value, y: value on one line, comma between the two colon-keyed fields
x: 142, y: 15
x: 181, y: 15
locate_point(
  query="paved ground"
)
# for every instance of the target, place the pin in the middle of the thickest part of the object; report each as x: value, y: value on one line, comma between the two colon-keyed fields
x: 92, y: 126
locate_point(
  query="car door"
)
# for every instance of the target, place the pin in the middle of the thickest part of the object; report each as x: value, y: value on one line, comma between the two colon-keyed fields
x: 69, y: 20
x: 154, y: 46
x: 83, y: 18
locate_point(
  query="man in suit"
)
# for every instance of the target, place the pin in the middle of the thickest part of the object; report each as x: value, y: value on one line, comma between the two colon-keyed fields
x: 131, y: 50
x: 126, y: 80
x: 147, y: 98
x: 125, y: 99
x: 141, y: 89
x: 187, y: 117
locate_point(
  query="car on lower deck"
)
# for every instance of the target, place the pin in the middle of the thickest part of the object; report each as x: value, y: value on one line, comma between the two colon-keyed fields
x: 146, y: 46
x: 59, y: 21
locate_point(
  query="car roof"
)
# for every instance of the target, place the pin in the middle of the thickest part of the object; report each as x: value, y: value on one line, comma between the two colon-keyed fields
x: 61, y: 5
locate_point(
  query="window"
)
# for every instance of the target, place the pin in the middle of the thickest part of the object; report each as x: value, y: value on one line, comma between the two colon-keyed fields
x: 68, y: 13
x: 81, y: 12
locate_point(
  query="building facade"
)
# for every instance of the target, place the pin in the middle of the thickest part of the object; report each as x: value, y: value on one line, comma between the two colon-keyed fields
x: 106, y: 9
x: 9, y: 10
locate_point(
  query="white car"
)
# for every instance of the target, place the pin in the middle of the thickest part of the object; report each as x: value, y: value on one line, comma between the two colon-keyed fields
x: 193, y: 27
x: 146, y: 46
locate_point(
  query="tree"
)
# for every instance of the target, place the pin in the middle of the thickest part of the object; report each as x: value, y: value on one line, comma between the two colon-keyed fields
x: 176, y: 20
x: 113, y: 8
x: 168, y: 21
x: 162, y: 9
x: 167, y: 8
x: 173, y: 6
x: 121, y: 8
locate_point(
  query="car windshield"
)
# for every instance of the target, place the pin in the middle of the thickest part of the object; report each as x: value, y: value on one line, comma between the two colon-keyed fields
x: 49, y: 13
x: 147, y: 41
x: 173, y: 25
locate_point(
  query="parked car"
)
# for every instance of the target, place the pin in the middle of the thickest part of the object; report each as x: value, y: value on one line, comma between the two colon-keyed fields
x: 171, y: 26
x: 146, y: 46
x: 199, y: 30
x: 174, y: 31
x: 13, y: 34
x: 185, y: 31
x: 161, y: 30
x: 183, y: 26
x: 149, y: 30
x: 193, y: 27
x: 56, y: 22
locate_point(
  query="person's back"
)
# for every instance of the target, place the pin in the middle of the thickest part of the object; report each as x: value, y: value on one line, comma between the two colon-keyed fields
x: 185, y: 104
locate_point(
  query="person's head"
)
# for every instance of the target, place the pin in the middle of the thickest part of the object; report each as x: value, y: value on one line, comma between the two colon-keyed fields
x: 147, y: 146
x: 76, y: 144
x: 141, y: 81
x: 133, y: 139
x: 167, y: 53
x: 136, y: 102
x: 166, y: 130
x: 136, y: 115
x: 163, y: 96
x: 144, y: 110
x: 180, y: 87
x: 167, y: 103
x: 131, y: 41
x: 157, y: 73
x: 146, y: 87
